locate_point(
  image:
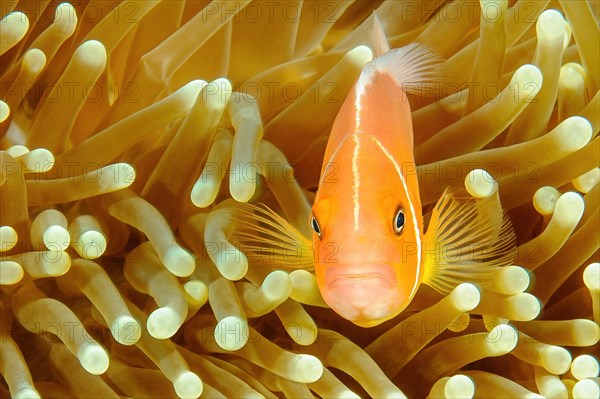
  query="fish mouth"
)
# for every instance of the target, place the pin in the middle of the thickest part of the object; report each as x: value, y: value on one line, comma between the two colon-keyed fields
x: 377, y: 274
x: 366, y: 294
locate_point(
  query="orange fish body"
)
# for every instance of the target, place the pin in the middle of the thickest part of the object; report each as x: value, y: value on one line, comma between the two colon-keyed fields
x: 368, y: 245
x: 367, y: 255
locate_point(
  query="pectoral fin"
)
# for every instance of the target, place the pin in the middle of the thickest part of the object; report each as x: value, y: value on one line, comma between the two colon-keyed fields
x: 268, y: 239
x: 468, y: 240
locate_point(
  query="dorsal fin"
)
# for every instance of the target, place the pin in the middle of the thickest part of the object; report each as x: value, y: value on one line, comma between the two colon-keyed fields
x: 378, y: 38
x: 414, y: 68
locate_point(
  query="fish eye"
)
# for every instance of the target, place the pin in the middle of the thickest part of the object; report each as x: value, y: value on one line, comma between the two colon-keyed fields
x: 399, y: 221
x: 315, y: 226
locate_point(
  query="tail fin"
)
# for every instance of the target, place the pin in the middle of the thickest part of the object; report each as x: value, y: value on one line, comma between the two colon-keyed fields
x: 468, y: 240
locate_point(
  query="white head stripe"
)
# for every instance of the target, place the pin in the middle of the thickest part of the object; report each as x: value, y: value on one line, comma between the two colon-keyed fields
x: 410, y: 204
x: 356, y: 180
x: 329, y: 162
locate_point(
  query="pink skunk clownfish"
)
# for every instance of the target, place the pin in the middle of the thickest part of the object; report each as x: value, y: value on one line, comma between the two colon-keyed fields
x: 367, y: 203
x: 368, y: 249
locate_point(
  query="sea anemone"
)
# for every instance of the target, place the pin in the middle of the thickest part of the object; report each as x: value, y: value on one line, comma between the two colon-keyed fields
x: 132, y: 131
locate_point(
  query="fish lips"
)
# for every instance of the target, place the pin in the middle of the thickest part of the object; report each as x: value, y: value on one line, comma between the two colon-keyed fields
x: 367, y: 294
x: 377, y: 273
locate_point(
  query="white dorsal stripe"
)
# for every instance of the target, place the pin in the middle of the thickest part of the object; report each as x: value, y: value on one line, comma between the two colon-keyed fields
x: 410, y: 204
x: 355, y: 180
x: 359, y: 91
